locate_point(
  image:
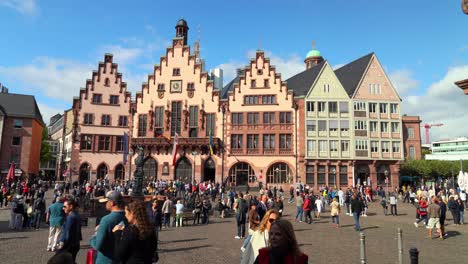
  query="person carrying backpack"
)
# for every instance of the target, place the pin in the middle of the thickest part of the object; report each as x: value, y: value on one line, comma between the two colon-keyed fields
x: 384, y: 205
x: 241, y: 208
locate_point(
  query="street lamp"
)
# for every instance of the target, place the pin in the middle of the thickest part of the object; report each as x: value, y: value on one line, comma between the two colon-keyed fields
x: 194, y: 153
x: 386, y: 180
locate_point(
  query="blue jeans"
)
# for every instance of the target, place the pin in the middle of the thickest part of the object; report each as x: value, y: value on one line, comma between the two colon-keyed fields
x: 462, y: 217
x: 356, y: 216
x: 299, y: 213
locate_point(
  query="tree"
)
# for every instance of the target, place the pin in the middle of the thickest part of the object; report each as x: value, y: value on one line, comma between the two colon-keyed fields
x: 431, y: 169
x: 46, y: 155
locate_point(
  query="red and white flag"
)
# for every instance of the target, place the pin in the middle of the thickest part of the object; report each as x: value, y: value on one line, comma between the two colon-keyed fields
x: 175, y: 147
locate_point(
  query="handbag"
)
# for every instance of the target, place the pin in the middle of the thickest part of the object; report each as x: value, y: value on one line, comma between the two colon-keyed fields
x: 91, y: 256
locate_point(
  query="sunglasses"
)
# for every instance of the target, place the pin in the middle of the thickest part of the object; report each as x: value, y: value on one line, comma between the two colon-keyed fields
x: 271, y: 220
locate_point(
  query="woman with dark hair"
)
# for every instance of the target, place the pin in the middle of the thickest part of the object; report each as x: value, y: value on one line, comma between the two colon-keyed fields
x: 136, y: 243
x: 283, y: 247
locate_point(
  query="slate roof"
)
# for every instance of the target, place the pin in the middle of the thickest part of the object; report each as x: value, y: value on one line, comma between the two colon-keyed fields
x: 229, y: 87
x: 351, y: 73
x: 301, y: 82
x: 20, y: 105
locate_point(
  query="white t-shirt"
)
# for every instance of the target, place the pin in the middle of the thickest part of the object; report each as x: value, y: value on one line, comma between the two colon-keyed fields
x: 318, y: 204
x: 179, y: 208
x: 463, y: 196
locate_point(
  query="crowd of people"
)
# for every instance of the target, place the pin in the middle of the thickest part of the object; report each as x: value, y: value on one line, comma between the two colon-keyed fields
x: 129, y: 233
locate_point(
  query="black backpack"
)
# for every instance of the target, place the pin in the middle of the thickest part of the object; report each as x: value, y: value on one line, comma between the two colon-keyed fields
x: 243, y: 207
x: 19, y: 209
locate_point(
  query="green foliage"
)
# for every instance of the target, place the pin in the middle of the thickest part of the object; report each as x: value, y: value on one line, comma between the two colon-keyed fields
x: 45, y: 147
x: 424, y: 152
x: 432, y: 169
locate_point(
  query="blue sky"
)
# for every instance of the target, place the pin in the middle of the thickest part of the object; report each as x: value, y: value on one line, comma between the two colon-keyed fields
x: 49, y: 48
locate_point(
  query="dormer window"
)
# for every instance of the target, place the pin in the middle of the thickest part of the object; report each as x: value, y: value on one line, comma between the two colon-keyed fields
x: 326, y: 88
x: 176, y: 72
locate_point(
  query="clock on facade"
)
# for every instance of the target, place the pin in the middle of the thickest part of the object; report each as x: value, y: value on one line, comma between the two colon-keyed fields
x: 176, y: 86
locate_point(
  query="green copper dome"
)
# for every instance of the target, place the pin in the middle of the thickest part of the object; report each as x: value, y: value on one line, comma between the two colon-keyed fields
x: 313, y: 53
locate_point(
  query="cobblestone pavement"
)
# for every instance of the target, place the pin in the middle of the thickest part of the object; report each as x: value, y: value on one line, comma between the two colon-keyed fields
x: 215, y: 243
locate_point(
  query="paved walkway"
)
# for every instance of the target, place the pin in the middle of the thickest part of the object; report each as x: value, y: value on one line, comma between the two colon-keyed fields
x: 215, y: 243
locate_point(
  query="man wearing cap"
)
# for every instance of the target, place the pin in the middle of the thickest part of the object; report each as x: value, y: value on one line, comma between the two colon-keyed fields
x: 103, y: 240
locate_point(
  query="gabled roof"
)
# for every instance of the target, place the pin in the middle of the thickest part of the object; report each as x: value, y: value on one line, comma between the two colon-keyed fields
x: 302, y: 82
x: 351, y: 74
x: 20, y: 105
x: 229, y: 87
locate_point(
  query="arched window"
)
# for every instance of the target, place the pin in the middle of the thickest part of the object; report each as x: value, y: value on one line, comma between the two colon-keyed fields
x: 150, y: 169
x: 278, y: 173
x: 241, y: 174
x: 383, y: 172
x: 101, y: 171
x: 84, y: 172
x: 183, y: 171
x: 119, y: 173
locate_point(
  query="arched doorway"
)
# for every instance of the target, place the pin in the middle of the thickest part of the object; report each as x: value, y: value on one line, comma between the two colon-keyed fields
x: 150, y: 170
x: 278, y: 173
x: 101, y: 171
x: 209, y: 171
x: 183, y: 171
x: 381, y: 171
x: 362, y: 172
x: 84, y: 173
x: 241, y: 173
x: 119, y: 172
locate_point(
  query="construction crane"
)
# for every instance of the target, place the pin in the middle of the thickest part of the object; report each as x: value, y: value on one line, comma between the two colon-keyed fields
x: 429, y: 126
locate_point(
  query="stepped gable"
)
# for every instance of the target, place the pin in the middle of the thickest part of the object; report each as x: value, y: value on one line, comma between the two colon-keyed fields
x: 302, y: 82
x: 150, y: 87
x: 260, y: 66
x: 108, y: 66
x: 351, y: 74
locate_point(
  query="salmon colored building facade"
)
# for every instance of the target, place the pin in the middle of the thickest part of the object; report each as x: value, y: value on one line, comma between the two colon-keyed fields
x: 179, y: 98
x: 101, y: 116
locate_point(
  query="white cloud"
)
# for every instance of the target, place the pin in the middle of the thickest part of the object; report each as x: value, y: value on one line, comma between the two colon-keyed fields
x: 403, y: 81
x: 25, y: 7
x: 123, y: 56
x: 55, y: 78
x: 444, y: 103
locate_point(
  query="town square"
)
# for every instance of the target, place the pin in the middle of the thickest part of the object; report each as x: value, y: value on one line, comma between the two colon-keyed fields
x: 239, y: 132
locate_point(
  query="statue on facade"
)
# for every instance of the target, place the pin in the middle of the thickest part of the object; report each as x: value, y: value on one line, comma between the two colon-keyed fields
x: 138, y: 175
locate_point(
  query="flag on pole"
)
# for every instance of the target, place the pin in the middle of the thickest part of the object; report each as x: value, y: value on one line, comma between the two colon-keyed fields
x: 174, y: 149
x: 11, y: 172
x: 125, y: 148
x: 211, y: 143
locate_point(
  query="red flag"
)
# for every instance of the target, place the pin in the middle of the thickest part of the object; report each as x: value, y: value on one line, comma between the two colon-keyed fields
x: 174, y: 149
x: 11, y: 172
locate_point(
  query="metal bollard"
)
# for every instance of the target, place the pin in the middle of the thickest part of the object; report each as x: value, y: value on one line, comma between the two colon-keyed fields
x: 363, y: 248
x: 400, y: 245
x: 414, y: 255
